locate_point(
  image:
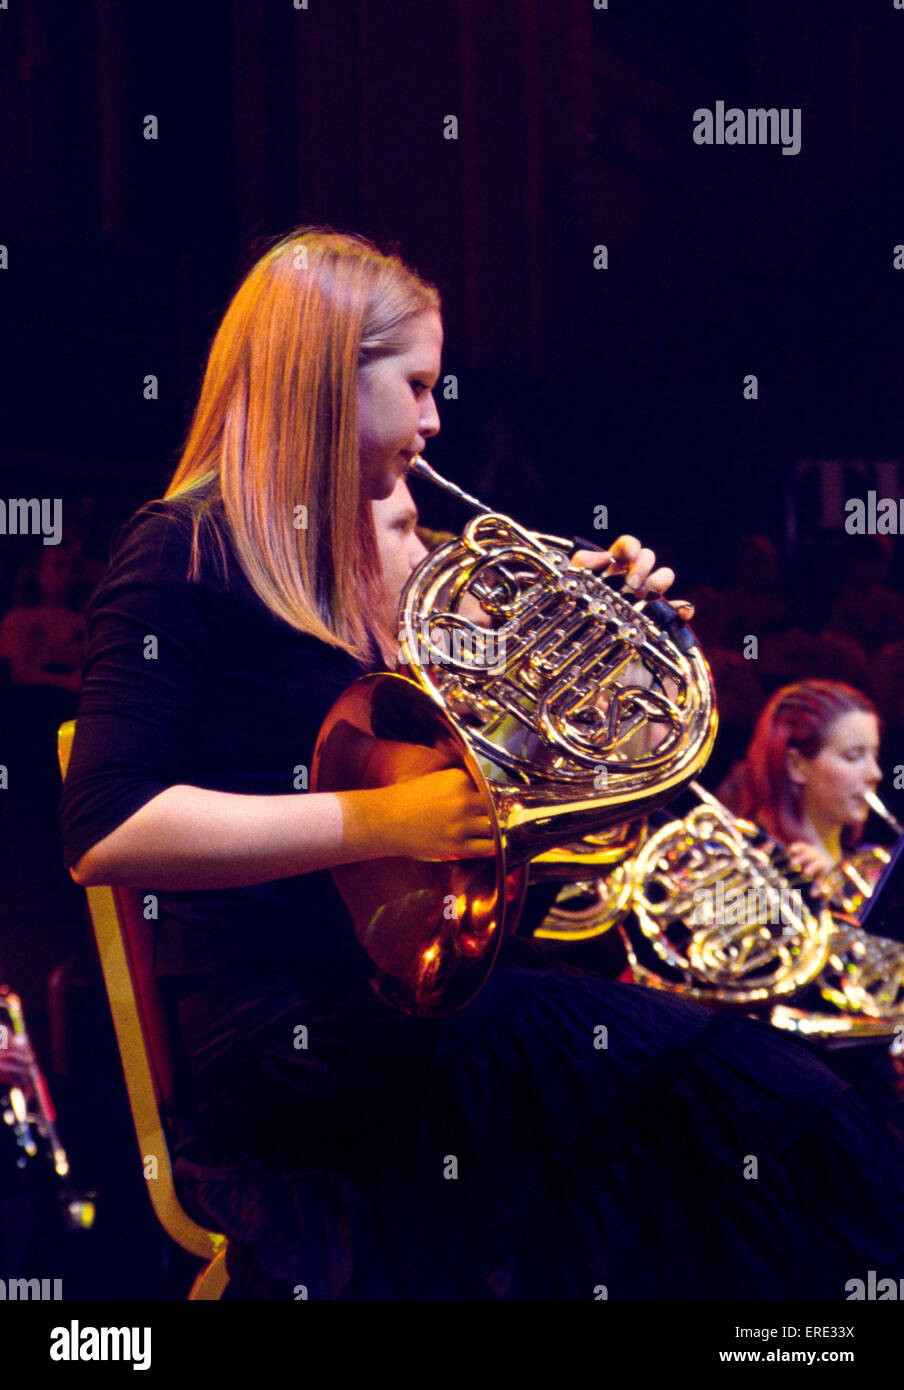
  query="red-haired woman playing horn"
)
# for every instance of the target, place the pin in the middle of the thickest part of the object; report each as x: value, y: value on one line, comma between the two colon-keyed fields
x: 561, y: 1134
x: 812, y: 757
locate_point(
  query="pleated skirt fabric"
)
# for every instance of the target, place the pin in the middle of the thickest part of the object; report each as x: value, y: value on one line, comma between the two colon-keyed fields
x: 563, y: 1137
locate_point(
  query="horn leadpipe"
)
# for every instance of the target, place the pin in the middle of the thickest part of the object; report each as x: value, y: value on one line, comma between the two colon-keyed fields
x: 881, y: 810
x: 729, y: 821
x: 422, y: 469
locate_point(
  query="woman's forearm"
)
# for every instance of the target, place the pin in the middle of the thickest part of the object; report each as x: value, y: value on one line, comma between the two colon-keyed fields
x: 191, y: 838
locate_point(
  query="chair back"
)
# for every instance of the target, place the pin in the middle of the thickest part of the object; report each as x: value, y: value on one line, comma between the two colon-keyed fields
x: 125, y: 945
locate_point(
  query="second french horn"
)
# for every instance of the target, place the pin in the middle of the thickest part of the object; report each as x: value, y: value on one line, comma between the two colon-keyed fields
x: 850, y: 884
x: 714, y: 913
x: 724, y: 923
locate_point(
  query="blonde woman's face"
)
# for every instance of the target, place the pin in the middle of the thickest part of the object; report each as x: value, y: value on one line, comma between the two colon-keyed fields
x: 396, y: 410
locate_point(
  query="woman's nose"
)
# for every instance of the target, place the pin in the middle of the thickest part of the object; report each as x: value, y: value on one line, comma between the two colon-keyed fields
x: 429, y: 421
x: 418, y: 553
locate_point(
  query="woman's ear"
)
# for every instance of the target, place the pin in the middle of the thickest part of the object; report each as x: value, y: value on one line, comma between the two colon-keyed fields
x: 796, y: 766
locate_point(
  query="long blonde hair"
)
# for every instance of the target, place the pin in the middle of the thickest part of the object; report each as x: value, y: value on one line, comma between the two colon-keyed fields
x: 274, y: 436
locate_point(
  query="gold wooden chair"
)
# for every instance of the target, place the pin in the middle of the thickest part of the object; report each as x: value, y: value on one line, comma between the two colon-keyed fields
x: 124, y: 943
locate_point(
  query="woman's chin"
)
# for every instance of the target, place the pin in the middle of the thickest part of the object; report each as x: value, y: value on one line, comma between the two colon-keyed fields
x: 379, y: 488
x: 384, y: 483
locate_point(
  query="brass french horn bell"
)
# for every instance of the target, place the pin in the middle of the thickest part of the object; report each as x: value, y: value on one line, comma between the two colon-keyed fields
x: 571, y: 708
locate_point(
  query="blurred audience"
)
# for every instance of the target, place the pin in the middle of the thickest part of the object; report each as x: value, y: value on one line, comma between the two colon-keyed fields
x: 43, y: 641
x: 754, y: 601
x: 865, y: 608
x: 834, y: 618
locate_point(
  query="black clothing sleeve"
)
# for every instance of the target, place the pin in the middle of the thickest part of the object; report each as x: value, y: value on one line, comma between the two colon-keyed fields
x: 199, y: 683
x: 153, y: 647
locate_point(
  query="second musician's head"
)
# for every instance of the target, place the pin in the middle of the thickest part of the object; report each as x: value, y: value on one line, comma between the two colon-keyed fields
x: 316, y: 395
x: 400, y: 547
x: 813, y: 754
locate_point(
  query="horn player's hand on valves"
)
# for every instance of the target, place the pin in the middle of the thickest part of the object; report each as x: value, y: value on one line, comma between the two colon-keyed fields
x: 637, y: 562
x: 809, y: 859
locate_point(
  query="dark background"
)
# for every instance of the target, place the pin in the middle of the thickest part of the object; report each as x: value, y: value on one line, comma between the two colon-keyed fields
x: 576, y: 386
x: 622, y: 386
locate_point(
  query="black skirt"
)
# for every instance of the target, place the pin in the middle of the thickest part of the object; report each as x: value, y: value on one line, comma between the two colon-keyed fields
x: 563, y: 1137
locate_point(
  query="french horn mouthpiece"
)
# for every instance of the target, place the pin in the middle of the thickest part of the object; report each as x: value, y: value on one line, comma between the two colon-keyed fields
x: 883, y: 812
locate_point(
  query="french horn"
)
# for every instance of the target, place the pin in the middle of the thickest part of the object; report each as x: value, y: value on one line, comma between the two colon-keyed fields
x: 850, y: 884
x: 724, y: 920
x: 596, y: 892
x: 572, y: 708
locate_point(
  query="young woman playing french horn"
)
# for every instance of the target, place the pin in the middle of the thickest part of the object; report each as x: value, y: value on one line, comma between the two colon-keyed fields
x: 561, y: 1136
x: 808, y: 778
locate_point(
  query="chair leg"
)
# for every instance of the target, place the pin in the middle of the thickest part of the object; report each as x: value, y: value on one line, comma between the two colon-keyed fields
x: 212, y: 1280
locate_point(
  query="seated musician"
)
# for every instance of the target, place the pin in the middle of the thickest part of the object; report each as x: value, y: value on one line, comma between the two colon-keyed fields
x: 561, y: 1136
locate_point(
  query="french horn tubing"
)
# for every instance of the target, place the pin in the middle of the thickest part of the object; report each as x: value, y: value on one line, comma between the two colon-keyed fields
x: 851, y: 883
x: 719, y: 914
x: 725, y: 921
x: 596, y: 891
x: 881, y: 810
x: 572, y: 708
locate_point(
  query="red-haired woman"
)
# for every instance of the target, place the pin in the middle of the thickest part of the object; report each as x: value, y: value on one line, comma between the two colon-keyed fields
x: 559, y: 1135
x: 812, y: 757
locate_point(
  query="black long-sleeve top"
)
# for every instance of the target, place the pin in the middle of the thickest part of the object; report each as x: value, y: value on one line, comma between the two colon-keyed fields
x: 199, y: 683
